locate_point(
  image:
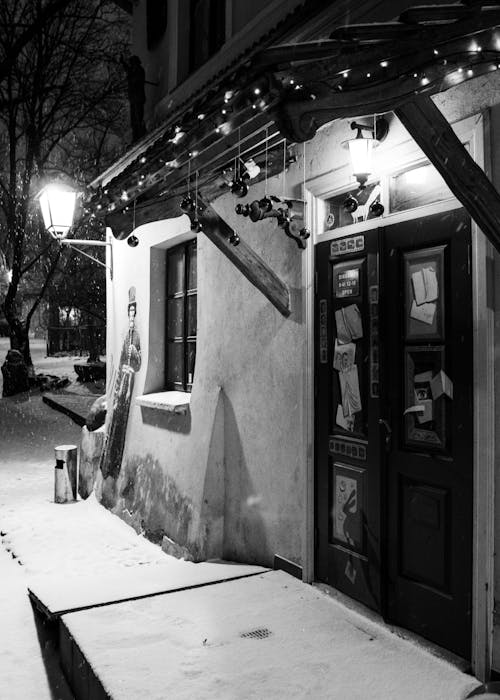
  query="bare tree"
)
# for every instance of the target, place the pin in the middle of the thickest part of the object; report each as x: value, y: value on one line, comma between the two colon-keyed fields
x: 61, y: 108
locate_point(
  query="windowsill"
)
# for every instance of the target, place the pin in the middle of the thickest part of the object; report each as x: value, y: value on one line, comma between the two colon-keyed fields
x: 171, y: 401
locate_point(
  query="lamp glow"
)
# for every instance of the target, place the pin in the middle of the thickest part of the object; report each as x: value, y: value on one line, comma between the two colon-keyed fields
x: 361, y: 148
x: 57, y: 203
x: 361, y: 152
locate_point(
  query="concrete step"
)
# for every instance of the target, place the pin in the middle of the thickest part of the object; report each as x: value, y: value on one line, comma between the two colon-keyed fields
x: 264, y: 636
x: 53, y: 597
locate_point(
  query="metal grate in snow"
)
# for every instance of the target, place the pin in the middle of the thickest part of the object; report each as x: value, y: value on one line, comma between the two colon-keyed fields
x: 260, y: 633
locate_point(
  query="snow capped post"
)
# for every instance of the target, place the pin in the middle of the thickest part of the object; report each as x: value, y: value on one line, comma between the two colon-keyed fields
x: 65, y: 473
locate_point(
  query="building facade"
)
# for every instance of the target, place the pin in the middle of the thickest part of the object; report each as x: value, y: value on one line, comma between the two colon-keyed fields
x: 323, y: 403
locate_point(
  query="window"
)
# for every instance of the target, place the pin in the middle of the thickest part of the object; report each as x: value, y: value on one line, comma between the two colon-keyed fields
x: 207, y: 27
x: 416, y: 187
x: 181, y: 316
x: 335, y: 214
x: 156, y: 21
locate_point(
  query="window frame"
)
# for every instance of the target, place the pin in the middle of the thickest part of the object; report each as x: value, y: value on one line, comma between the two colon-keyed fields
x: 186, y: 294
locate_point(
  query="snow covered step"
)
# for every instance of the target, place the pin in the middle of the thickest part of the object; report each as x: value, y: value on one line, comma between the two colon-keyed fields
x: 54, y: 596
x: 265, y: 636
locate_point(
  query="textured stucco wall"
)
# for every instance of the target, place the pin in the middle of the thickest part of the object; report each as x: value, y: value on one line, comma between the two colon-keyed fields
x: 229, y: 478
x: 225, y: 480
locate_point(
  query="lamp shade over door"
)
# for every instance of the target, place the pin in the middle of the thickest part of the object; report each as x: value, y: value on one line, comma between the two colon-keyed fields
x: 361, y: 152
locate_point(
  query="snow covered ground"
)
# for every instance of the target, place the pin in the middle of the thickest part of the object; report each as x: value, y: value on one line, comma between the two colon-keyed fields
x: 315, y: 645
x: 60, y: 366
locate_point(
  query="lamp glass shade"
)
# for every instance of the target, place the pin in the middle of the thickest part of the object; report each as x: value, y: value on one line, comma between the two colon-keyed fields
x: 57, y: 204
x: 361, y: 152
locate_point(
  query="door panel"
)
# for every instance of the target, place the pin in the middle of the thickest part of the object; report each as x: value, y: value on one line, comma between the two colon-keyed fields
x: 429, y: 464
x: 394, y: 459
x: 348, y: 445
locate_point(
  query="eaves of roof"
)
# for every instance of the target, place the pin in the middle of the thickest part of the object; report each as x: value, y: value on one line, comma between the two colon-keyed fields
x: 210, y: 77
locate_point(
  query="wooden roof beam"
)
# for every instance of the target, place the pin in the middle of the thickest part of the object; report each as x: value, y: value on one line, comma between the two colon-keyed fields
x: 468, y: 182
x: 433, y: 14
x: 246, y: 260
x: 376, y: 32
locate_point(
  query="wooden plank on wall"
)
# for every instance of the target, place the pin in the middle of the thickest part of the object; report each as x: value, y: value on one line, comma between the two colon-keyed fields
x: 432, y: 132
x: 246, y: 260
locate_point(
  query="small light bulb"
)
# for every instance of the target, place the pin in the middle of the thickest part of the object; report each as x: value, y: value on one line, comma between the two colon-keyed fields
x: 368, y: 75
x: 143, y: 159
x: 470, y: 72
x: 435, y: 52
x: 256, y: 91
x: 425, y: 80
x: 384, y: 64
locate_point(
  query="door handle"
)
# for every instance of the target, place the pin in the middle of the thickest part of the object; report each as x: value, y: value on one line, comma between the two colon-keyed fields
x: 388, y: 430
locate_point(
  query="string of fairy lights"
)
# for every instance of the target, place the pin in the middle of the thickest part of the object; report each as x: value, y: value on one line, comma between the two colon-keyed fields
x: 182, y: 146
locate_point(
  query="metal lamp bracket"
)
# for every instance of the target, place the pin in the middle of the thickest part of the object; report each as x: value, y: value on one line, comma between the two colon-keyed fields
x: 379, y: 132
x: 79, y: 241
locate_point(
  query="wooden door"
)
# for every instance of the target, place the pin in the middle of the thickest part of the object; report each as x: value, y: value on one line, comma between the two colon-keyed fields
x: 429, y: 403
x: 394, y: 423
x: 348, y: 477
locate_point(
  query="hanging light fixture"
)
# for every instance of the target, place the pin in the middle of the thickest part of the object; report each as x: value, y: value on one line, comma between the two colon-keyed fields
x: 57, y: 203
x: 361, y: 147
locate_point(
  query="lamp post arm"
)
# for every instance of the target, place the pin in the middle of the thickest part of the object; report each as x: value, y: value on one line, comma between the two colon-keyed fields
x: 84, y: 241
x: 69, y: 244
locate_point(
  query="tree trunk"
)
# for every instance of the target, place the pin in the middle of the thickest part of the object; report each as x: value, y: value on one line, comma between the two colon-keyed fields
x: 19, y: 340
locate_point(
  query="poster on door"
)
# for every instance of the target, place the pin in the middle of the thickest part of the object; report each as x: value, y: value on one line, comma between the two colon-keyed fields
x: 347, y: 517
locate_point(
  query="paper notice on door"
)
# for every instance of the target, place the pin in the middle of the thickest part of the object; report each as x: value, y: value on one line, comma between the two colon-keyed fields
x: 424, y: 313
x: 349, y: 389
x: 422, y: 377
x: 352, y: 317
x: 342, y: 421
x: 343, y: 358
x: 343, y: 335
x: 425, y: 285
x: 427, y: 414
x: 414, y: 409
x: 349, y: 324
x: 441, y: 384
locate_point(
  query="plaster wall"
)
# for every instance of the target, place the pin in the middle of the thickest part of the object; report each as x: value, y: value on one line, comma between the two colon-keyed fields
x: 225, y: 480
x: 228, y: 479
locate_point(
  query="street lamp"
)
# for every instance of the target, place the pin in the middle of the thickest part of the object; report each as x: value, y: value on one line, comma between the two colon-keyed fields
x: 57, y: 203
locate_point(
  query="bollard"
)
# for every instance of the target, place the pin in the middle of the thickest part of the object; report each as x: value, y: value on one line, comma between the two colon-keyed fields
x: 65, y: 473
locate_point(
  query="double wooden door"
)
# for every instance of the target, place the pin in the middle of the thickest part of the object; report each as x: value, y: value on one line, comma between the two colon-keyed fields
x: 394, y: 423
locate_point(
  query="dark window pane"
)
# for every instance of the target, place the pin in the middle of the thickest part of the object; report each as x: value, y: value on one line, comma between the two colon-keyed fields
x: 192, y: 267
x: 181, y: 321
x: 191, y: 358
x: 156, y: 21
x: 175, y: 271
x: 175, y: 363
x: 207, y: 30
x: 191, y: 315
x: 175, y: 318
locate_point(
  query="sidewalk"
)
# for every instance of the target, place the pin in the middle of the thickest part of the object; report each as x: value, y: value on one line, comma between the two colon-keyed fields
x: 263, y: 636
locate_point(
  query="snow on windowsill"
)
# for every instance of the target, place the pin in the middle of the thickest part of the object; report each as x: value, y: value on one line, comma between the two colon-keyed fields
x: 172, y: 401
